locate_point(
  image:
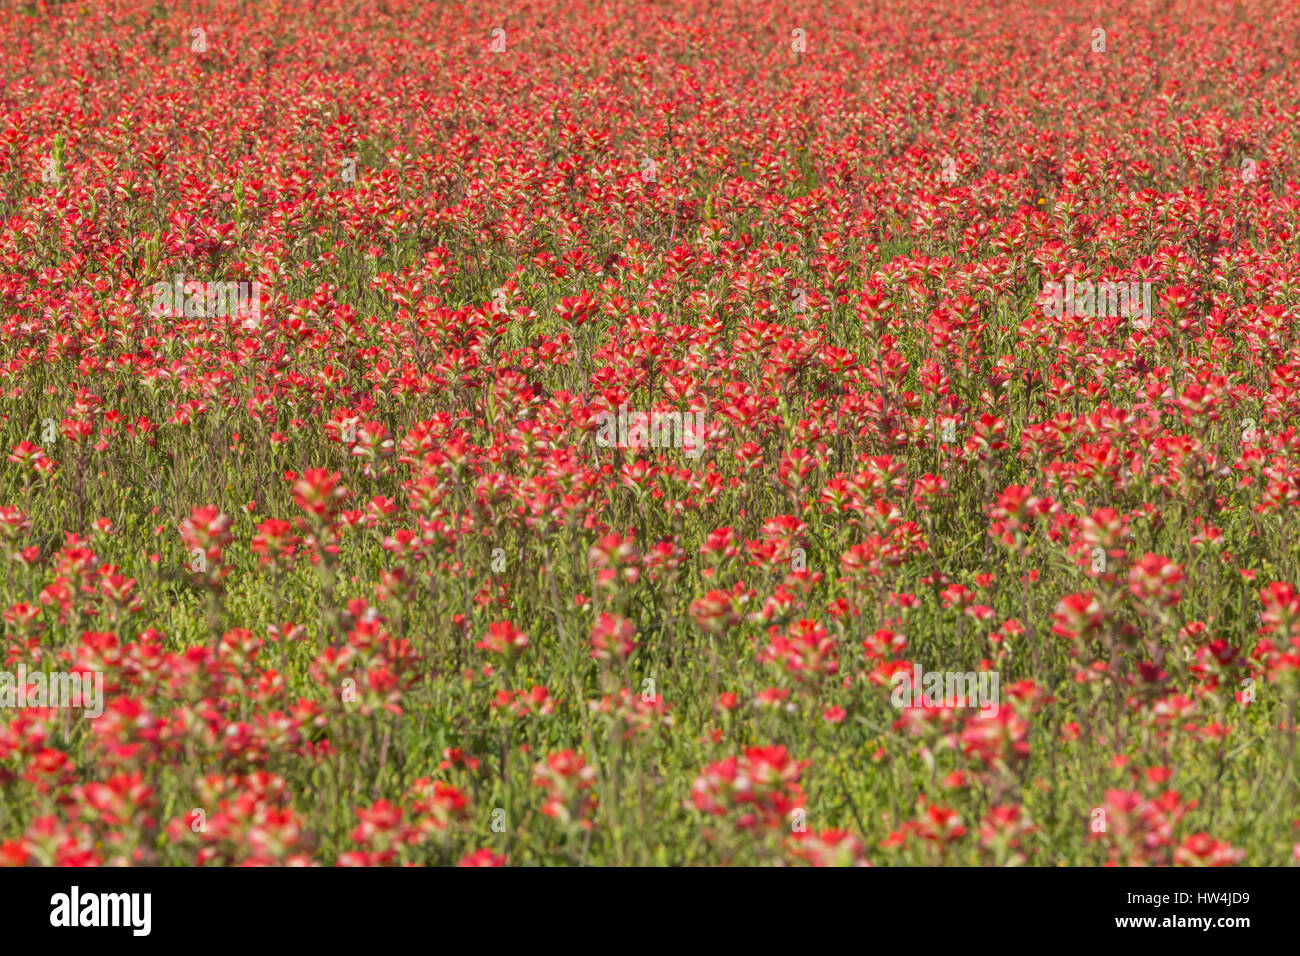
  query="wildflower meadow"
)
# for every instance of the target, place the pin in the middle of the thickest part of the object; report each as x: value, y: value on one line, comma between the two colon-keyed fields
x: 703, y: 433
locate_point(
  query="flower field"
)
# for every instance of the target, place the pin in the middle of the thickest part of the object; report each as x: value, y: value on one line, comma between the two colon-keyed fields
x: 628, y: 434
